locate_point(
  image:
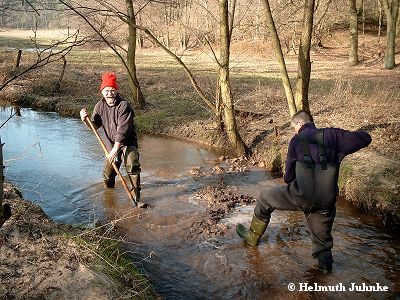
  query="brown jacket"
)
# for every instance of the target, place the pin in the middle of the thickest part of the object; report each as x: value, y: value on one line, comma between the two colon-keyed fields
x: 117, y: 121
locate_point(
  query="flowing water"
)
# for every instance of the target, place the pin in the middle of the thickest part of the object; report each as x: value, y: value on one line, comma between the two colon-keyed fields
x: 57, y: 163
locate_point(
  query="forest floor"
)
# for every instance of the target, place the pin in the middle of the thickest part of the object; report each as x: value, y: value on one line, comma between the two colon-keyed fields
x: 365, y: 96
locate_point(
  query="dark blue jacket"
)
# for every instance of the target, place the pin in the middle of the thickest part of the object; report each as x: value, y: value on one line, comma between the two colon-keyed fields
x: 338, y: 143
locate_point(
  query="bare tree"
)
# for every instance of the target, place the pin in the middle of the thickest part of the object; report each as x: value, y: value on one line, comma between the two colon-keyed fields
x: 391, y: 8
x: 304, y: 61
x: 353, y: 53
x: 300, y: 101
x: 131, y: 57
x: 279, y: 56
x: 92, y: 17
x: 223, y: 79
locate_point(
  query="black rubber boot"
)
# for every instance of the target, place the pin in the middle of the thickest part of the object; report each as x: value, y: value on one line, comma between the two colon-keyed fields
x: 109, y: 183
x: 325, y: 266
x: 254, y: 233
x: 6, y: 213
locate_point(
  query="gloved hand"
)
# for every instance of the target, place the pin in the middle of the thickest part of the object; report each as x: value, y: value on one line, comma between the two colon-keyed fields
x: 83, y: 113
x: 112, y: 154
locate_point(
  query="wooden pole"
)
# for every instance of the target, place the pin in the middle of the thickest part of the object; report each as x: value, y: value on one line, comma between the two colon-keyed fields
x: 18, y: 60
x: 128, y: 191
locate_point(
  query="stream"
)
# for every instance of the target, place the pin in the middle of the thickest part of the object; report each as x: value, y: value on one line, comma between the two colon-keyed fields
x: 57, y: 162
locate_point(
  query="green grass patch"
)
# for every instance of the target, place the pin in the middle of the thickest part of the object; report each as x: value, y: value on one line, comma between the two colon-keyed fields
x: 345, y: 173
x: 165, y: 111
x: 19, y: 43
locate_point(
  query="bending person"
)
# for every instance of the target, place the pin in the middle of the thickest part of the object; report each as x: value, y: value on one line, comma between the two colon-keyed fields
x: 311, y: 176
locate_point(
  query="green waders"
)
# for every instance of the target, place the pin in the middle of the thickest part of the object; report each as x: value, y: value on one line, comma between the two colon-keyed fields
x: 130, y: 156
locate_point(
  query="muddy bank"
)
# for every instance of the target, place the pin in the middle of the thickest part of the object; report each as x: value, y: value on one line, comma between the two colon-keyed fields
x: 44, y: 260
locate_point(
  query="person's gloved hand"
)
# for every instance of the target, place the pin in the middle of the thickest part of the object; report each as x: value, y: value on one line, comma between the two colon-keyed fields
x: 83, y: 113
x: 112, y: 154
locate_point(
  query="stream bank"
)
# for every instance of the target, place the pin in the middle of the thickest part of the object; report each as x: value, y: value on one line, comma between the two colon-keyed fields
x: 44, y: 260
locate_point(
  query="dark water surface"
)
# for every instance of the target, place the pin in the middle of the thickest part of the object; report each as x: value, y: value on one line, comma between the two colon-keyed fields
x: 57, y: 163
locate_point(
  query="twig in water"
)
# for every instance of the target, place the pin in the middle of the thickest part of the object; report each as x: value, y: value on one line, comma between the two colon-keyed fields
x: 11, y: 115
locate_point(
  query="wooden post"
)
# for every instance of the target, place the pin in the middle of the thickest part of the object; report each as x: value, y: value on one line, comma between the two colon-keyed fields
x: 18, y: 60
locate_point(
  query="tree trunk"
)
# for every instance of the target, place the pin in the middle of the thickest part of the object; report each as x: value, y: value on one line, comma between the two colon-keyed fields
x: 139, y: 35
x: 218, y: 108
x: 304, y: 62
x: 279, y: 56
x: 379, y: 22
x: 390, y: 45
x: 18, y: 59
x: 226, y: 95
x: 137, y: 97
x: 58, y: 84
x: 353, y: 54
x: 392, y: 13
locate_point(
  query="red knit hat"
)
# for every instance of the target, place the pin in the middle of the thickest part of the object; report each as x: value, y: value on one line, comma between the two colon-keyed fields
x: 109, y: 79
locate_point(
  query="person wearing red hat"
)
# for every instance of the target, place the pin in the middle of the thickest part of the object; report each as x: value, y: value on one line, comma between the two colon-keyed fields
x: 116, y: 116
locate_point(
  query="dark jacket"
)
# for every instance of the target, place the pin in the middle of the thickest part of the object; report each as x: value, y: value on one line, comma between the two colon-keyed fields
x: 117, y: 121
x: 338, y: 143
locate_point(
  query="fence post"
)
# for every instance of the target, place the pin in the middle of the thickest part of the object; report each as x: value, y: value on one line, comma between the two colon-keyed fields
x: 18, y: 60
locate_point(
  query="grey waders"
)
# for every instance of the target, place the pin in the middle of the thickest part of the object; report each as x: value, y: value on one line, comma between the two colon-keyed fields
x: 313, y: 191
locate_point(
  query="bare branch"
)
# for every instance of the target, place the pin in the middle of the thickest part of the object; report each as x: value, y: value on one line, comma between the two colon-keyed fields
x: 51, y: 56
x: 31, y: 5
x: 150, y: 36
x: 9, y: 118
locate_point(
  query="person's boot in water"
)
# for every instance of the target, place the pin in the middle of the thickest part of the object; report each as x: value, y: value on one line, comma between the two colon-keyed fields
x: 135, y: 181
x: 254, y: 233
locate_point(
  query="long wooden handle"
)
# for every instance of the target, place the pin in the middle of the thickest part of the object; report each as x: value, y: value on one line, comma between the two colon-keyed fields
x: 113, y: 163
